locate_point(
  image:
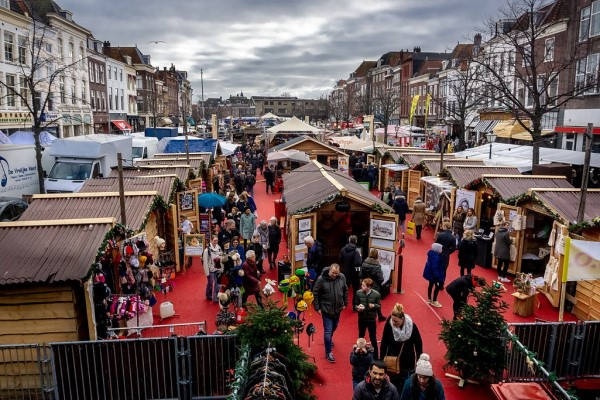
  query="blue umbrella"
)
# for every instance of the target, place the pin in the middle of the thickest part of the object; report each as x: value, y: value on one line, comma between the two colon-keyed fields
x: 210, y: 200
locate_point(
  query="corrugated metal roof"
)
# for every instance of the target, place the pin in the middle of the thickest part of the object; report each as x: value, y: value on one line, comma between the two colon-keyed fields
x: 511, y: 186
x: 414, y: 159
x: 181, y: 172
x: 566, y: 203
x: 463, y: 176
x: 49, y: 253
x: 433, y: 166
x: 136, y: 208
x: 195, y: 162
x: 163, y: 184
x: 307, y: 185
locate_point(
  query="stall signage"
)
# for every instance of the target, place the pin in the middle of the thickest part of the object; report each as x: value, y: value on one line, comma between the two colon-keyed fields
x: 343, y: 164
x: 18, y: 172
x: 582, y: 261
x: 14, y: 118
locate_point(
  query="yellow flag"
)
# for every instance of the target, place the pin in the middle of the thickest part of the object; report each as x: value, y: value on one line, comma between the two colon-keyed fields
x: 427, y: 101
x: 413, y: 107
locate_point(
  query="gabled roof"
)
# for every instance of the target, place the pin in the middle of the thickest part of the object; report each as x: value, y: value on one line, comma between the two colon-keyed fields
x: 313, y: 185
x: 118, y: 54
x: 50, y: 251
x: 300, y: 139
x: 292, y: 126
x: 364, y: 68
x: 565, y: 203
x: 465, y: 174
x: 432, y: 166
x: 165, y: 185
x: 510, y: 187
x: 182, y: 171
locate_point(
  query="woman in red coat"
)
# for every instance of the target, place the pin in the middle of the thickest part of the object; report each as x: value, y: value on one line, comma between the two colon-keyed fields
x: 251, y: 279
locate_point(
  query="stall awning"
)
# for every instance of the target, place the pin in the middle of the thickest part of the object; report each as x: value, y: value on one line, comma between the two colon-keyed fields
x: 482, y: 126
x: 575, y: 129
x: 512, y: 129
x: 122, y: 125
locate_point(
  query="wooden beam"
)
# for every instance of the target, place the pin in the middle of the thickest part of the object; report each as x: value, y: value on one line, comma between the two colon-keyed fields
x: 523, y: 176
x: 161, y: 166
x: 330, y: 178
x: 92, y: 194
x: 58, y: 222
x: 152, y: 176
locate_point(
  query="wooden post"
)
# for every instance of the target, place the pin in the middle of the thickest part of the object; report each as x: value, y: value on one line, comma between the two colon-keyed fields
x: 563, y: 279
x: 121, y: 189
x: 586, y: 173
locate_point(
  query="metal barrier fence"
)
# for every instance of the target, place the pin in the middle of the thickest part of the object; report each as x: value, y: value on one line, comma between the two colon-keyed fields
x: 156, y: 331
x: 195, y: 367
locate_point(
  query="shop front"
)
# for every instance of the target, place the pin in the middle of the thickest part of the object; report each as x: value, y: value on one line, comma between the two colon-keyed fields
x: 15, y: 121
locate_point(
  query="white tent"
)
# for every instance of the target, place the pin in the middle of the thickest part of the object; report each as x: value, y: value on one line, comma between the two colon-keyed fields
x: 292, y: 126
x: 26, y: 137
x: 228, y: 148
x: 268, y: 116
x: 292, y: 155
x: 352, y: 143
x: 4, y: 139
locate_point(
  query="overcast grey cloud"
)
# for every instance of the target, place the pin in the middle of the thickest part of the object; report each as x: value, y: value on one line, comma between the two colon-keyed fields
x: 267, y: 47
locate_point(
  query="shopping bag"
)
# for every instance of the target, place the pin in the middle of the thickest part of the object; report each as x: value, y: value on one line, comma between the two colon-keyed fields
x: 410, y: 228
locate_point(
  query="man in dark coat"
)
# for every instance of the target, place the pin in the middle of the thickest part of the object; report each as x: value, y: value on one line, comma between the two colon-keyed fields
x: 459, y: 290
x: 502, y: 251
x: 376, y: 385
x: 274, y: 240
x: 350, y: 260
x: 331, y: 298
x: 269, y: 179
x: 448, y: 241
x: 315, y: 255
x: 400, y: 207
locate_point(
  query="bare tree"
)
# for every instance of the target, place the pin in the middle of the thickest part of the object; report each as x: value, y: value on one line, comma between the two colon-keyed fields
x: 40, y: 75
x: 336, y: 104
x: 520, y: 71
x: 385, y: 103
x: 363, y: 103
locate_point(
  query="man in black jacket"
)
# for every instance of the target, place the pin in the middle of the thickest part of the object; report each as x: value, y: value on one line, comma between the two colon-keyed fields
x: 459, y: 290
x: 274, y: 240
x: 350, y: 260
x: 269, y: 179
x: 448, y: 242
x: 376, y: 385
x: 331, y: 297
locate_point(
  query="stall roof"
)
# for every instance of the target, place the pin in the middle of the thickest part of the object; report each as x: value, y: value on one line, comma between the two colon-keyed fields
x: 510, y: 186
x: 352, y: 143
x: 50, y: 251
x: 91, y: 205
x: 565, y: 202
x: 396, y: 152
x: 195, y: 145
x: 195, y: 161
x: 292, y: 126
x: 432, y: 166
x: 228, y: 148
x: 463, y: 174
x: 413, y: 159
x: 301, y: 139
x: 182, y: 171
x: 163, y: 184
x: 308, y: 187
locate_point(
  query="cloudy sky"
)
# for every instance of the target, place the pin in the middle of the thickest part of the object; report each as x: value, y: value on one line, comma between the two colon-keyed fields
x: 268, y: 47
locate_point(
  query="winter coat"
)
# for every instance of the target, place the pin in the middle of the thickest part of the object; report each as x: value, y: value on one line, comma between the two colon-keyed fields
x: 269, y: 176
x: 503, y: 242
x: 274, y: 237
x: 409, y: 387
x: 208, y: 258
x: 467, y: 253
x: 240, y: 250
x: 258, y: 250
x: 350, y: 261
x: 247, y: 225
x: 400, y: 207
x: 360, y: 364
x: 251, y: 277
x: 331, y: 294
x: 458, y: 221
x: 418, y: 216
x: 373, y: 297
x: 411, y: 350
x: 435, y: 269
x: 446, y: 239
x: 366, y: 391
x: 470, y: 223
x: 315, y: 257
x: 251, y: 204
x: 460, y: 287
x: 225, y: 236
x: 372, y: 269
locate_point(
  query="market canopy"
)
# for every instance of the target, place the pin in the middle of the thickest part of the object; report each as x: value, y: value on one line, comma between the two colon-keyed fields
x: 291, y: 155
x: 268, y: 116
x: 228, y: 148
x: 314, y: 185
x: 292, y: 126
x: 26, y: 137
x: 352, y: 143
x: 513, y: 129
x: 4, y: 139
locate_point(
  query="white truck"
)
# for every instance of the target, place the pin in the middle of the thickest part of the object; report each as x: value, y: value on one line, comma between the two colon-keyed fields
x: 84, y: 157
x: 18, y: 170
x: 143, y: 147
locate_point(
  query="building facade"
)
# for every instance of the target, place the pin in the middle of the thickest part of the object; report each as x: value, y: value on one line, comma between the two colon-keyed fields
x: 118, y: 99
x: 98, y: 93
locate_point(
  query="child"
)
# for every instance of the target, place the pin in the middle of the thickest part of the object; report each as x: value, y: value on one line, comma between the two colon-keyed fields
x: 435, y: 273
x: 361, y: 358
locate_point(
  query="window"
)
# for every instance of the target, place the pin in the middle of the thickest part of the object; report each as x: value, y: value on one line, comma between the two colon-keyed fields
x: 121, y: 75
x: 24, y: 90
x: 22, y: 43
x: 37, y: 100
x: 59, y: 43
x: 10, y: 90
x: 116, y: 99
x: 109, y: 71
x: 586, y: 75
x: 9, y: 41
x: 49, y: 47
x: 526, y: 55
x: 62, y: 90
x: 48, y: 71
x: 103, y: 100
x: 83, y: 93
x: 71, y: 50
x: 110, y: 103
x: 549, y: 50
x: 73, y: 93
x: 122, y: 100
x: 529, y: 96
x: 96, y: 73
x: 589, y: 21
x: 81, y: 52
x: 101, y: 68
x: 553, y: 90
x: 115, y: 73
x: 140, y: 83
x: 50, y: 103
x: 5, y: 4
x: 91, y: 72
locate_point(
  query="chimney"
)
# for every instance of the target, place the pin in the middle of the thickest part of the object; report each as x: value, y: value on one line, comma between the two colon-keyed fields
x: 106, y: 44
x: 417, y: 49
x: 477, y: 39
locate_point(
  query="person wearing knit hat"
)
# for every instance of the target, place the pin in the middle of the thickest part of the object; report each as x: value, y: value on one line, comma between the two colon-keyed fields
x: 435, y: 273
x: 422, y: 385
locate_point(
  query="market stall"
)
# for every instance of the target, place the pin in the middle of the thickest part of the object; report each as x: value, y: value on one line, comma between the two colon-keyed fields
x: 293, y: 127
x: 330, y: 206
x: 438, y: 196
x: 283, y: 161
x: 316, y: 150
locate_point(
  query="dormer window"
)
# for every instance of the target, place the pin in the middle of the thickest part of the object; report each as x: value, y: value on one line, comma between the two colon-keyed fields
x: 5, y: 4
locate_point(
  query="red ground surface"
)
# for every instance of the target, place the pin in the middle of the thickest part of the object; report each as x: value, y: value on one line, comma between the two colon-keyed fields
x: 334, y: 379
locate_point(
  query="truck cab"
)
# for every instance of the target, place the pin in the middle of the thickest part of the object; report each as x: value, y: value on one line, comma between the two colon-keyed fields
x: 69, y: 174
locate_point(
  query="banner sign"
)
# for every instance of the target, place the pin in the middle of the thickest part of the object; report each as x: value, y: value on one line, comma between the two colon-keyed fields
x: 582, y: 261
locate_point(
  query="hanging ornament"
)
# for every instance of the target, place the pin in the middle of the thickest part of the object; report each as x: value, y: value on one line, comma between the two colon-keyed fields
x: 475, y: 353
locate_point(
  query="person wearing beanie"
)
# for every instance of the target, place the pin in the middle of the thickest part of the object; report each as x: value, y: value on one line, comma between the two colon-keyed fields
x: 435, y: 273
x: 423, y: 385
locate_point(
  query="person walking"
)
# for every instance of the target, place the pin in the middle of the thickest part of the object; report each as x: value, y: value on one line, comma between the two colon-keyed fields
x: 350, y: 261
x: 467, y: 252
x: 435, y: 273
x: 274, y: 240
x: 211, y: 261
x: 269, y: 179
x: 330, y: 299
x: 376, y: 385
x: 251, y: 279
x: 366, y: 302
x: 361, y: 358
x: 447, y: 240
x: 227, y: 234
x: 418, y: 216
x: 258, y: 251
x: 470, y: 220
x: 315, y: 255
x: 459, y: 290
x: 401, y: 338
x: 400, y: 207
x: 502, y: 251
x: 250, y: 182
x: 372, y: 269
x: 458, y: 220
x: 247, y: 226
x: 423, y: 385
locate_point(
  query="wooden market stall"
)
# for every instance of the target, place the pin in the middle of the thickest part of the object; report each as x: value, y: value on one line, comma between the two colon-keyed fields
x: 316, y: 150
x: 386, y: 155
x: 554, y: 210
x: 330, y: 206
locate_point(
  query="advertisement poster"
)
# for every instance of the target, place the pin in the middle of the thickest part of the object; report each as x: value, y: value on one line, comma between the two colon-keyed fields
x: 194, y: 245
x: 343, y: 164
x: 465, y: 199
x: 18, y: 171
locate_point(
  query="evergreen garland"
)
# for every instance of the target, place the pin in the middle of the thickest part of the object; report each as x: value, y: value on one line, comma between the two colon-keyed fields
x: 241, y: 374
x: 476, y: 341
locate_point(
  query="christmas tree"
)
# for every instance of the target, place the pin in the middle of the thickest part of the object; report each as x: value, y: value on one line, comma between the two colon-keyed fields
x: 475, y: 342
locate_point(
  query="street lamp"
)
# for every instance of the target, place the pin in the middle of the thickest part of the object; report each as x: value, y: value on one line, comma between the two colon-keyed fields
x: 491, y: 138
